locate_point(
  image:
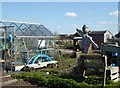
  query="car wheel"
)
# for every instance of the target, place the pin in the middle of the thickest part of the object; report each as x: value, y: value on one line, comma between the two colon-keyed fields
x: 52, y: 65
x: 56, y: 65
x: 32, y: 69
x: 49, y: 66
x: 26, y: 69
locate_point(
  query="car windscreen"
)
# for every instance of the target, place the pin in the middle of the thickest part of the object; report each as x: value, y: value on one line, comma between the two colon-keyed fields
x: 42, y: 59
x: 31, y: 60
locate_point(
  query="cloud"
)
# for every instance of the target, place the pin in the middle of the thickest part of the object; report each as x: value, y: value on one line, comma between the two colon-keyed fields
x: 104, y: 23
x: 114, y: 13
x: 76, y: 26
x: 71, y: 14
x: 98, y: 26
x: 107, y: 23
x: 58, y: 27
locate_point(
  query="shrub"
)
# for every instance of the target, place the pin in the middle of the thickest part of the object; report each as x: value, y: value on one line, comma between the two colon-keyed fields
x: 52, y: 80
x: 111, y: 84
x: 83, y: 85
x: 62, y: 83
x: 94, y: 80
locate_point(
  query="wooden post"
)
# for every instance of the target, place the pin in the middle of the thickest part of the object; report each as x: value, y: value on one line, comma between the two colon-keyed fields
x: 118, y: 58
x: 105, y: 68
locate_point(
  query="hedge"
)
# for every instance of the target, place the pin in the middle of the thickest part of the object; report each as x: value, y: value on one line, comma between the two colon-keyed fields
x: 53, y: 81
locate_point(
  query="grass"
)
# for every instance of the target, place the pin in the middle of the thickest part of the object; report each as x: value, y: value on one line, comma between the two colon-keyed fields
x: 63, y: 64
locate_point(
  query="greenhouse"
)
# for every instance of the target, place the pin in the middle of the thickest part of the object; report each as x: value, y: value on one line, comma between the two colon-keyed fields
x: 28, y: 40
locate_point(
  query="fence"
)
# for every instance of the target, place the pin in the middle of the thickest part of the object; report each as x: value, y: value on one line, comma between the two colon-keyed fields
x: 98, y: 62
x: 113, y: 73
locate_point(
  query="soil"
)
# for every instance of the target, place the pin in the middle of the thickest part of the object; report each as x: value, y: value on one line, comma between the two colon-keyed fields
x: 8, y: 82
x: 21, y: 84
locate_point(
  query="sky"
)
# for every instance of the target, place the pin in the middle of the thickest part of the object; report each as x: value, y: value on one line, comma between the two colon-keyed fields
x: 60, y: 0
x: 64, y: 17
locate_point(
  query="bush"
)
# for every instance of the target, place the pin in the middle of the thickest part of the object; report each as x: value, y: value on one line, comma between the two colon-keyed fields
x: 111, y: 84
x: 94, y: 80
x: 81, y: 85
x: 62, y: 83
x: 52, y: 80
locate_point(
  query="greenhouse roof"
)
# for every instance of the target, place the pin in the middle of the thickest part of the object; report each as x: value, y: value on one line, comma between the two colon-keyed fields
x: 26, y: 28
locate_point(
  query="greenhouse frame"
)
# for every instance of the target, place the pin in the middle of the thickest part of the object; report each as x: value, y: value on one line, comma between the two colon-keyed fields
x: 28, y: 39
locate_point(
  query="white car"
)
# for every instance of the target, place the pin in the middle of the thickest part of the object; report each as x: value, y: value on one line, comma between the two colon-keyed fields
x: 37, y: 62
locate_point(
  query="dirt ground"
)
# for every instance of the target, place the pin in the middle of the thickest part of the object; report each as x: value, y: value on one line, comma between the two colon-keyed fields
x: 7, y: 82
x: 21, y: 84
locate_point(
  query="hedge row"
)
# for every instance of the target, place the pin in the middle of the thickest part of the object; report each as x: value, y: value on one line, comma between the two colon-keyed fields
x: 50, y: 81
x: 53, y: 81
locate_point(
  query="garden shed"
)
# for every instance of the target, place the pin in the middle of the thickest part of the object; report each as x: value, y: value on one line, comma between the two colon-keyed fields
x: 101, y: 36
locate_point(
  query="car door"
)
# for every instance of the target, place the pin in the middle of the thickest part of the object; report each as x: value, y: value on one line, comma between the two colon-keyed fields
x: 40, y: 62
x: 44, y: 61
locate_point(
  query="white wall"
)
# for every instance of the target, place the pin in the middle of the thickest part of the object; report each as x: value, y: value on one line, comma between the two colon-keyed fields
x: 107, y: 35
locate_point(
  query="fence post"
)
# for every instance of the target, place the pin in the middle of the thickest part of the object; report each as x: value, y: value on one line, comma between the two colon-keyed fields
x: 105, y: 68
